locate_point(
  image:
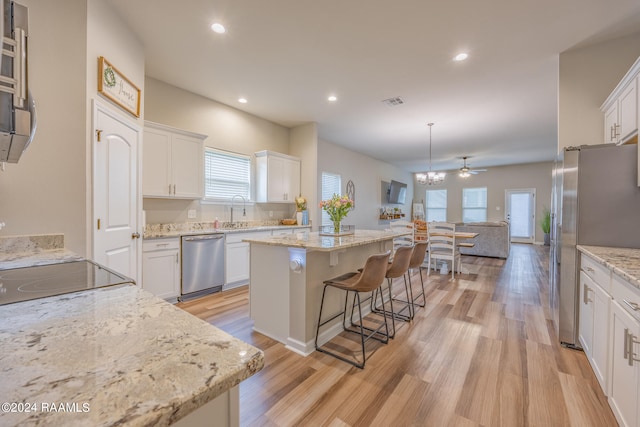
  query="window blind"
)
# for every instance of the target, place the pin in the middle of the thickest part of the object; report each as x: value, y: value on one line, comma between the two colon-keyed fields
x: 226, y: 175
x: 474, y: 204
x: 331, y: 184
x: 436, y: 205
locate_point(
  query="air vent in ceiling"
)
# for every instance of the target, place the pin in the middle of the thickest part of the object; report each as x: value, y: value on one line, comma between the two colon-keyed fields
x: 392, y: 102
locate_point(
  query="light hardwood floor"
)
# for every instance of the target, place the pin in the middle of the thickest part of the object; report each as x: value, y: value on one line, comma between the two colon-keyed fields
x: 483, y: 352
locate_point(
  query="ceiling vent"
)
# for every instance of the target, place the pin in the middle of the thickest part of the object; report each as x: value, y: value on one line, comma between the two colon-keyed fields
x: 393, y: 102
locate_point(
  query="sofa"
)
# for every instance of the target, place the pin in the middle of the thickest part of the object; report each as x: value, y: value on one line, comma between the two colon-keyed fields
x: 493, y: 238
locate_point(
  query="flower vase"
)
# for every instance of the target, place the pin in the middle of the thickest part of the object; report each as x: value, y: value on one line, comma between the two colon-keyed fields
x: 299, y: 218
x: 336, y: 227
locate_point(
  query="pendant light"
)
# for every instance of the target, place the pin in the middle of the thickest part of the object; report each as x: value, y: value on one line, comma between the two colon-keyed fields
x: 430, y: 178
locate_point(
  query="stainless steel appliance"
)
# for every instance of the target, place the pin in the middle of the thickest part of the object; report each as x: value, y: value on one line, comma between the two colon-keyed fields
x: 600, y: 207
x: 202, y: 264
x: 17, y: 108
x: 28, y: 283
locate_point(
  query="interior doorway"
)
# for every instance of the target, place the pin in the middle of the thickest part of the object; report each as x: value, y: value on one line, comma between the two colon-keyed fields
x: 520, y: 212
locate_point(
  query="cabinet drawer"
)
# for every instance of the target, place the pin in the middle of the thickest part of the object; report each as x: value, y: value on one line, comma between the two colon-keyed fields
x: 596, y: 271
x: 160, y: 245
x: 239, y: 236
x: 627, y: 295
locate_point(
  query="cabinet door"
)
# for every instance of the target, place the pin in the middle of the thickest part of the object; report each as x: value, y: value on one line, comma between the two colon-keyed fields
x: 237, y: 263
x: 186, y: 162
x: 585, y: 329
x: 624, y: 373
x: 628, y: 111
x: 275, y: 173
x: 610, y: 122
x: 156, y: 163
x: 161, y: 273
x: 291, y: 180
x: 600, y: 342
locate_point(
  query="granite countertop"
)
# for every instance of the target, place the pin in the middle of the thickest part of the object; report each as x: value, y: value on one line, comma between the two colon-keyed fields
x: 314, y: 241
x: 624, y: 262
x: 174, y: 230
x: 119, y: 356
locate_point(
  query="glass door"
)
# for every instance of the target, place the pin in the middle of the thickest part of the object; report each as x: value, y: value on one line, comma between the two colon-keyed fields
x: 520, y: 213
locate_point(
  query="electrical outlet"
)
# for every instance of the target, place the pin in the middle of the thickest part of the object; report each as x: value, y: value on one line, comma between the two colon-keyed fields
x: 270, y: 214
x: 191, y: 213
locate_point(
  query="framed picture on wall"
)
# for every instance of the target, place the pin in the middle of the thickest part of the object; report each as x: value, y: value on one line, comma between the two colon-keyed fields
x: 113, y: 85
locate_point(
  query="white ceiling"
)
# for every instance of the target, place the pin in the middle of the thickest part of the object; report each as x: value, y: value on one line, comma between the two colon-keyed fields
x: 287, y: 56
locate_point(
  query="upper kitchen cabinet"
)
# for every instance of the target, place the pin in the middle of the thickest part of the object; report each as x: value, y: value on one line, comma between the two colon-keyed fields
x: 172, y: 162
x: 277, y: 177
x: 621, y: 109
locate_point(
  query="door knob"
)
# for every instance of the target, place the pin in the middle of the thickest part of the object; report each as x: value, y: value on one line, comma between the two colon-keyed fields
x: 135, y: 235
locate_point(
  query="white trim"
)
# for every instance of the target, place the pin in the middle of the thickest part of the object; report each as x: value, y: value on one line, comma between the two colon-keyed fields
x: 171, y: 129
x: 628, y: 77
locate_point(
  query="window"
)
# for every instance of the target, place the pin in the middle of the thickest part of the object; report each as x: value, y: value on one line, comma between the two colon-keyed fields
x: 474, y: 204
x: 436, y: 205
x: 331, y: 184
x: 226, y: 175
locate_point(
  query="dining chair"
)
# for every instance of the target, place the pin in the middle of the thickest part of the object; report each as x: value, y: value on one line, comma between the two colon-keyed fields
x: 402, y: 225
x: 368, y: 280
x: 442, y: 245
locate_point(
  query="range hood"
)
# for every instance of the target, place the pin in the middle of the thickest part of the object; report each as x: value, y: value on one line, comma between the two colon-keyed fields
x: 17, y: 108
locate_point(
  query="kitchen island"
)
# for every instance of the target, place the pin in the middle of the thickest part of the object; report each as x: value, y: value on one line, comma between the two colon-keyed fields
x: 117, y: 356
x: 287, y: 274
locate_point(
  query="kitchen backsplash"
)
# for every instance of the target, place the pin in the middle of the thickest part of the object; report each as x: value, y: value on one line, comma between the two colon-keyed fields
x: 31, y: 243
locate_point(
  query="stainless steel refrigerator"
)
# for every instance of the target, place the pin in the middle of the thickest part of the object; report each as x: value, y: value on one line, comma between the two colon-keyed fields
x: 600, y: 207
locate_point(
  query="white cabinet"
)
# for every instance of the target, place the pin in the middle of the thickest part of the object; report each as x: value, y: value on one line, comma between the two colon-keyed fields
x: 161, y: 267
x: 625, y: 352
x: 237, y: 257
x: 277, y: 177
x: 172, y: 163
x: 621, y: 109
x: 595, y: 303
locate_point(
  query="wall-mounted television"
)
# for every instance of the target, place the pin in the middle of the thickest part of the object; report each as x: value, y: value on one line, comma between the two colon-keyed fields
x: 397, y: 192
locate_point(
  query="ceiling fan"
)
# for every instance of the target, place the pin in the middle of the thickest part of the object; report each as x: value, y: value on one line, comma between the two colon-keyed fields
x: 466, y: 171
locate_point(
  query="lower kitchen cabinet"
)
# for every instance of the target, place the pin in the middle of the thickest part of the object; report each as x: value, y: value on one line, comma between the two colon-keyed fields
x: 237, y: 258
x: 161, y: 267
x: 625, y: 357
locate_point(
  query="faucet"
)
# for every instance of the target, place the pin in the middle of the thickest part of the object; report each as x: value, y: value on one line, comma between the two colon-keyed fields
x: 244, y: 206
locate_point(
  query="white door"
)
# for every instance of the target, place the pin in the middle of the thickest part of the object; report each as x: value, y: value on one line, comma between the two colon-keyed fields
x: 520, y: 213
x: 116, y: 200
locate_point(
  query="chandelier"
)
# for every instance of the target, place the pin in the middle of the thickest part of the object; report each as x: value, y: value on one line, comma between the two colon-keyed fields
x: 430, y: 177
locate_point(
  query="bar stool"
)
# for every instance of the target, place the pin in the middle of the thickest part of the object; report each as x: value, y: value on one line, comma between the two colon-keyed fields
x: 417, y: 259
x: 397, y: 268
x: 368, y: 280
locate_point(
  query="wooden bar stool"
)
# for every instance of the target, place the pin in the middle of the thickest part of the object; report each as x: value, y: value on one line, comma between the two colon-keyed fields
x: 368, y: 280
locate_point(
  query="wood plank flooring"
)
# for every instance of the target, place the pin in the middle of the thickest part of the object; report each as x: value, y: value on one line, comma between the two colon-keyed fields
x: 482, y: 352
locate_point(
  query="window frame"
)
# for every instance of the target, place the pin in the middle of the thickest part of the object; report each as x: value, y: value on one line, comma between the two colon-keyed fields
x: 436, y: 209
x: 249, y: 182
x: 324, y: 217
x: 474, y: 208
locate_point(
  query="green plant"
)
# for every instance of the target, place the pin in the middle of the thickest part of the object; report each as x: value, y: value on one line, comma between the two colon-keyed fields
x: 545, y: 222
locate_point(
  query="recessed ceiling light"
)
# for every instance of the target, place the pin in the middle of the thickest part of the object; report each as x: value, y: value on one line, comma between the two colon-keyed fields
x: 218, y: 28
x: 332, y: 98
x: 461, y: 57
x: 242, y: 100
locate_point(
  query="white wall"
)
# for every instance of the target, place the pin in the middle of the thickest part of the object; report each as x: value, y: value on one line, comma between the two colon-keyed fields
x: 587, y: 77
x: 366, y: 173
x: 227, y: 129
x: 497, y: 180
x: 303, y: 143
x: 46, y: 191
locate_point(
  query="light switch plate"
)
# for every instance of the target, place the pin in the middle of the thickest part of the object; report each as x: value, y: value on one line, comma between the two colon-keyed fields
x: 191, y: 213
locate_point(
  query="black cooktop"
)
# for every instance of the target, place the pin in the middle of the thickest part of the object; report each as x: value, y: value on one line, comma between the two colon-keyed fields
x: 28, y: 283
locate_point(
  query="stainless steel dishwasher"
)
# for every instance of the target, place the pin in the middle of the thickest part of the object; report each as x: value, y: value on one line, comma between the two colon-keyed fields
x: 202, y: 265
